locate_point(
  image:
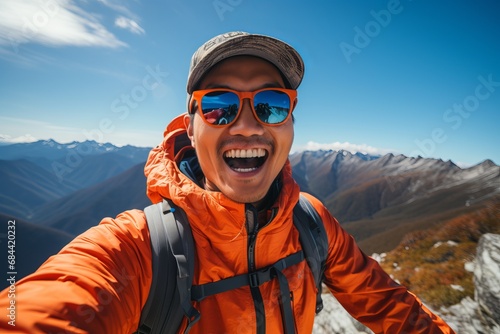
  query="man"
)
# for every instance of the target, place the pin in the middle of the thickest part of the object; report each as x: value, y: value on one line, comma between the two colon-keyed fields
x: 232, y: 176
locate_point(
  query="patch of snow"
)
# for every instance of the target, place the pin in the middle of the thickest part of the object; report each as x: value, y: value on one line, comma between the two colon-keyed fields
x: 450, y: 243
x: 469, y: 266
x: 379, y: 257
x: 457, y: 287
x: 396, y: 266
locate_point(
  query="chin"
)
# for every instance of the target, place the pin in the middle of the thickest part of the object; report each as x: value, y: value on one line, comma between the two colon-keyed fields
x: 247, y: 197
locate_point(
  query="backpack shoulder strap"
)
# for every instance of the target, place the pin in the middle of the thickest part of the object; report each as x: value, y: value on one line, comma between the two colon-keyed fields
x: 314, y: 242
x: 172, y: 245
x: 173, y: 266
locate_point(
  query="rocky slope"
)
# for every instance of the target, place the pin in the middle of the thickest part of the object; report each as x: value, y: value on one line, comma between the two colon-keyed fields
x: 476, y: 315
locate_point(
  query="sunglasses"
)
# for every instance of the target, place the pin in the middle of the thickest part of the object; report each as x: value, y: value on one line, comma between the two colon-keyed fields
x: 221, y: 107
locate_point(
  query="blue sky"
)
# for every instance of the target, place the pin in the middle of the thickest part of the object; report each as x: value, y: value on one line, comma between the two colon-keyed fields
x: 410, y: 77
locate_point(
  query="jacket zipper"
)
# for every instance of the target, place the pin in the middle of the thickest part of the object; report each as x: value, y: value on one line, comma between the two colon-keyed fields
x: 253, y: 226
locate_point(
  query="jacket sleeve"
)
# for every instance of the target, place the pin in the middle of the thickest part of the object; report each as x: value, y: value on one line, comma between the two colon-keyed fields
x: 98, y: 283
x: 367, y: 292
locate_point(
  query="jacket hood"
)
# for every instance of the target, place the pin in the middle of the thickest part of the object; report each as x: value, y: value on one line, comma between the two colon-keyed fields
x: 165, y: 180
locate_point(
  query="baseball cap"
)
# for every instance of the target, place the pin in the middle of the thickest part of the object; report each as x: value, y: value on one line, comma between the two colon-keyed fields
x: 239, y: 43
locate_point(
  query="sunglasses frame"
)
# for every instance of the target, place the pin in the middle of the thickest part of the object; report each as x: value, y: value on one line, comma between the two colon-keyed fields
x: 198, y: 95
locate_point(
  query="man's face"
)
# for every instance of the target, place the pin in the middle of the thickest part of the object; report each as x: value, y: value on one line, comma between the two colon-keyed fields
x: 245, y: 180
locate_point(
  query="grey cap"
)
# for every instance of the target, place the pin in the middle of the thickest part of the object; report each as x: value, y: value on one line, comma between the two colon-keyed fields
x: 238, y: 43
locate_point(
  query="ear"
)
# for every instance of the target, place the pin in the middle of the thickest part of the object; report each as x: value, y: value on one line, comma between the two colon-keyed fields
x: 295, y: 103
x: 188, y: 124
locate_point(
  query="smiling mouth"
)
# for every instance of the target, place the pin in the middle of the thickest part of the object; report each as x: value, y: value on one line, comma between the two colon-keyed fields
x: 245, y: 161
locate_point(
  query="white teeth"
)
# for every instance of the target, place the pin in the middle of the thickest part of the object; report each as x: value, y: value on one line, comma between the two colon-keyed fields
x: 244, y: 170
x: 251, y: 153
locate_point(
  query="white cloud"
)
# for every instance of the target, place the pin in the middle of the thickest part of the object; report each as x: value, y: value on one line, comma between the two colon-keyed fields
x: 129, y: 24
x: 51, y: 22
x: 6, y: 139
x: 17, y: 130
x: 337, y: 146
x: 117, y: 7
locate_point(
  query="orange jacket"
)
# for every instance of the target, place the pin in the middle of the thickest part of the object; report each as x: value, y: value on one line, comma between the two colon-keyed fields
x: 100, y: 281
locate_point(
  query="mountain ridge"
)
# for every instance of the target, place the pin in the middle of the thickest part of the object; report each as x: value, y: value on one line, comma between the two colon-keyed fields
x: 370, y: 195
x: 53, y: 150
x: 85, y: 208
x: 35, y: 174
x: 394, y: 194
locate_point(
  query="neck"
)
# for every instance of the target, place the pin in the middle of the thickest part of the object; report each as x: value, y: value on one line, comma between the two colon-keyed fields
x: 272, y: 194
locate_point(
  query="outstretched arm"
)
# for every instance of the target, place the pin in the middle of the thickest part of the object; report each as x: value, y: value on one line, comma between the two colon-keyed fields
x: 367, y: 292
x: 98, y: 283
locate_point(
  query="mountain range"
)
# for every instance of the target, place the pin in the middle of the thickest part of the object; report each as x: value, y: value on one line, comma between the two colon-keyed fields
x: 35, y: 174
x: 427, y: 214
x: 378, y: 199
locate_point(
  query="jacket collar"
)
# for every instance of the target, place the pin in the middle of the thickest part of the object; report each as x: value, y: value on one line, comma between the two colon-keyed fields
x: 173, y: 172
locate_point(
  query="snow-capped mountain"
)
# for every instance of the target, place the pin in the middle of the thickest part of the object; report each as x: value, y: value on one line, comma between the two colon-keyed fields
x: 386, y: 197
x: 52, y: 150
x: 378, y: 199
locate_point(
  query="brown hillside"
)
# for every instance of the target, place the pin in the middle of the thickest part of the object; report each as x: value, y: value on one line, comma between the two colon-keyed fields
x: 431, y: 262
x: 384, y: 232
x: 380, y: 200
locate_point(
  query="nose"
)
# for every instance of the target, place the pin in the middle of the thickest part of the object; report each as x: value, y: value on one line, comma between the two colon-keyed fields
x: 246, y: 124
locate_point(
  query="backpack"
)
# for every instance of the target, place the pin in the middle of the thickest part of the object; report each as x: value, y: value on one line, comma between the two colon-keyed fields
x: 173, y: 266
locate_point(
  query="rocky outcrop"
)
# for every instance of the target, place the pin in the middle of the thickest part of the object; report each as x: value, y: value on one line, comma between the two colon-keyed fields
x: 334, y: 319
x: 487, y: 279
x: 480, y: 315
